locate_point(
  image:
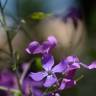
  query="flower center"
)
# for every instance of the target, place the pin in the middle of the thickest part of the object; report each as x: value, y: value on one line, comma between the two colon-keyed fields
x: 49, y: 72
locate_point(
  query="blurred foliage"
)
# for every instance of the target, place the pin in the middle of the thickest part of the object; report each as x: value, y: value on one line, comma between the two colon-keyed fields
x: 39, y: 15
x: 38, y: 63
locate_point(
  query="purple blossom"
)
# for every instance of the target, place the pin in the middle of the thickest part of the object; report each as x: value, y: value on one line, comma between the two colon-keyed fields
x: 49, y: 71
x: 9, y: 80
x: 74, y: 63
x: 37, y: 48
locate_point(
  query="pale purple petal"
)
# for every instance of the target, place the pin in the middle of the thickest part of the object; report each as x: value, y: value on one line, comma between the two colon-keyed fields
x: 46, y: 47
x: 62, y: 86
x: 61, y: 67
x: 77, y: 65
x: 50, y: 80
x: 48, y: 62
x: 38, y: 76
x: 71, y: 59
x: 32, y: 47
x: 38, y: 50
x: 67, y: 83
x: 92, y: 66
x: 52, y: 40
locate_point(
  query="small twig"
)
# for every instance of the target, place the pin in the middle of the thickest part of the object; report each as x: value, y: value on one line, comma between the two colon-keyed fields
x: 25, y: 71
x: 7, y: 89
x: 5, y: 4
x: 79, y: 78
x: 6, y: 30
x: 14, y: 61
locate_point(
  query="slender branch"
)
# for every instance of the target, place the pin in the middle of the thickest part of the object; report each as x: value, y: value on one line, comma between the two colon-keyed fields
x: 5, y: 4
x: 79, y: 78
x: 25, y: 71
x: 6, y: 30
x: 13, y: 58
x: 7, y: 89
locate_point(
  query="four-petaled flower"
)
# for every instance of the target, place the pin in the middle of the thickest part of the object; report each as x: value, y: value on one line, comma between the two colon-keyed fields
x: 49, y: 71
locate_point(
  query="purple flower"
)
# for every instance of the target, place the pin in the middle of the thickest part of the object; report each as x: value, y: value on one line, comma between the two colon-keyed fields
x: 8, y: 80
x: 74, y: 63
x: 36, y: 48
x: 49, y: 71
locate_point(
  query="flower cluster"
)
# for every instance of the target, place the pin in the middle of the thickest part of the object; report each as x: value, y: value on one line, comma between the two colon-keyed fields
x: 60, y: 75
x: 56, y: 77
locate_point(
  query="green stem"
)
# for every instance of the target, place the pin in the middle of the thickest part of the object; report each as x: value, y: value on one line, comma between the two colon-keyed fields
x: 9, y: 44
x: 9, y: 89
x: 6, y: 30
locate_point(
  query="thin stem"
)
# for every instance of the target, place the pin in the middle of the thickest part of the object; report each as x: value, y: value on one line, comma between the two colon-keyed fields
x: 14, y: 60
x: 24, y: 73
x: 5, y: 4
x: 6, y: 30
x: 79, y: 78
x: 9, y: 89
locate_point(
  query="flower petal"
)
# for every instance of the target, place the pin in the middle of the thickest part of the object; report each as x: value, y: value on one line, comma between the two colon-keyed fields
x: 61, y: 67
x: 67, y: 83
x: 48, y: 62
x: 52, y: 40
x: 38, y: 76
x: 76, y: 65
x: 32, y: 47
x: 46, y: 47
x: 92, y: 66
x: 50, y: 81
x: 62, y: 86
x: 72, y: 59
